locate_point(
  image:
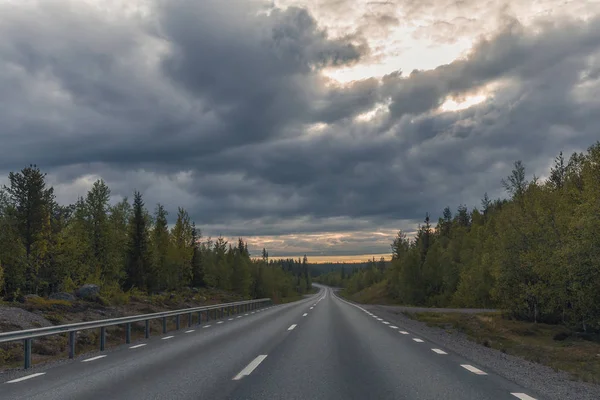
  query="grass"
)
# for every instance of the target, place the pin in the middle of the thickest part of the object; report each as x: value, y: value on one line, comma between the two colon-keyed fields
x: 375, y: 294
x: 550, y: 345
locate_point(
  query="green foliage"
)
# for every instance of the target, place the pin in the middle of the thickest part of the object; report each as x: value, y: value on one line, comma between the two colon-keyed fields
x: 535, y: 255
x: 45, y: 248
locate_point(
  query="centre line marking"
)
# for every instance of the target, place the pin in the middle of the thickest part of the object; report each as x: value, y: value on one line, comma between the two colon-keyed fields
x: 26, y: 377
x: 138, y: 346
x: 190, y: 331
x: 473, y: 369
x: 305, y: 314
x: 403, y: 332
x: 93, y: 358
x: 522, y: 396
x: 250, y: 367
x: 167, y: 337
x: 439, y: 351
x: 292, y: 327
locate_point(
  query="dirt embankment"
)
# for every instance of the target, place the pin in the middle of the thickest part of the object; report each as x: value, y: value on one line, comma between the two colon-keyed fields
x: 37, y: 312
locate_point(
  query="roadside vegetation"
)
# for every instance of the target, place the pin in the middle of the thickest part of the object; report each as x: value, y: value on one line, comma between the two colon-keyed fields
x: 120, y: 246
x: 551, y: 345
x: 535, y: 255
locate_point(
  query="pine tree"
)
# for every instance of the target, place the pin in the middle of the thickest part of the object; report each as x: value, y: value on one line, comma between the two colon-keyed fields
x: 139, y: 261
x: 97, y: 206
x: 197, y: 262
x: 162, y: 276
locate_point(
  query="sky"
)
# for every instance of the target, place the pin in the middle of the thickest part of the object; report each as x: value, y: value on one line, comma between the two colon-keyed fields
x: 316, y: 127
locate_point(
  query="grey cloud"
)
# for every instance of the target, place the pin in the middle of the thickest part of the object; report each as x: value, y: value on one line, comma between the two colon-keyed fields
x: 214, y: 107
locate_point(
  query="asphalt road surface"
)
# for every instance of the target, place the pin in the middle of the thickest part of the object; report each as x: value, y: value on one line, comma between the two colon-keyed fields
x: 319, y: 348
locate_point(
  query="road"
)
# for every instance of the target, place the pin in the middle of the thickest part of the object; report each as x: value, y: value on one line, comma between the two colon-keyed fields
x: 318, y: 348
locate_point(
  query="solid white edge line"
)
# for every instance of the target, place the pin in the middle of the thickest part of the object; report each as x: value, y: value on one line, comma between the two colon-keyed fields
x: 292, y: 327
x: 250, y: 367
x: 305, y: 314
x: 190, y: 331
x: 167, y: 337
x: 93, y: 358
x: 439, y: 351
x: 473, y: 369
x: 523, y: 396
x: 138, y: 346
x: 24, y: 378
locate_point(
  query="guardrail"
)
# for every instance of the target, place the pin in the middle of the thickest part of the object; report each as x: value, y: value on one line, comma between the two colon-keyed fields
x: 218, y: 311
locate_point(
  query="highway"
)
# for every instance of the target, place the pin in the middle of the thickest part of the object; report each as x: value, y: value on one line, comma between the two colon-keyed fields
x: 318, y: 348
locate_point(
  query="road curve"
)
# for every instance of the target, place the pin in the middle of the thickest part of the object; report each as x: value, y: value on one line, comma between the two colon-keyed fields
x: 318, y: 348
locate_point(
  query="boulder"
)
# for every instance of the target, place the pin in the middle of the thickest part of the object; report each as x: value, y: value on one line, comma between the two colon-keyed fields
x: 88, y: 292
x: 62, y: 296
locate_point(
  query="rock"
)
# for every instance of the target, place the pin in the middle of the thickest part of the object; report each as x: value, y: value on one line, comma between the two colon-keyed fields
x: 88, y: 292
x: 62, y: 296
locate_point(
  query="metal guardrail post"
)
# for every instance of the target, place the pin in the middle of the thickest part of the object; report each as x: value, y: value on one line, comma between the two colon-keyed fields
x: 164, y: 324
x: 177, y: 322
x: 222, y: 312
x: 102, y: 338
x: 199, y: 317
x: 128, y: 333
x: 27, y: 349
x: 147, y: 328
x: 207, y: 315
x: 72, y: 344
x: 189, y: 320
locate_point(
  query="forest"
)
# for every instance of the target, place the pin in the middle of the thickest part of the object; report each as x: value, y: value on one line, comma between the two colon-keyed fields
x: 534, y: 254
x: 46, y: 247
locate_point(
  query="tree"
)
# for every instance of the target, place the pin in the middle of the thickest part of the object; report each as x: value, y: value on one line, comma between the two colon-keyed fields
x: 181, y: 249
x: 32, y: 204
x: 162, y: 276
x: 197, y: 262
x: 97, y: 206
x: 139, y: 261
x: 515, y: 184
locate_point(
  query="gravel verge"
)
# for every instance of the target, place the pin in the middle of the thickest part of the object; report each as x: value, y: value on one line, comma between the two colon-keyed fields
x: 550, y: 384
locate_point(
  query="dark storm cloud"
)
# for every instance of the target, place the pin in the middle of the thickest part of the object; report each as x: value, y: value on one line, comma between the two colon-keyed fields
x: 223, y: 110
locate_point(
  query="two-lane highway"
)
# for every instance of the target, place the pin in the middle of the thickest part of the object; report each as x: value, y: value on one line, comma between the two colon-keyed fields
x: 318, y: 348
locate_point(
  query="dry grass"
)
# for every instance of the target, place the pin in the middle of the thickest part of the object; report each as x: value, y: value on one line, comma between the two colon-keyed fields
x: 532, y: 341
x: 375, y: 294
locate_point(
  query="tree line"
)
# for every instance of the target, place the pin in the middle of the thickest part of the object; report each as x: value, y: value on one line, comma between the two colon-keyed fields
x: 46, y: 247
x: 534, y: 254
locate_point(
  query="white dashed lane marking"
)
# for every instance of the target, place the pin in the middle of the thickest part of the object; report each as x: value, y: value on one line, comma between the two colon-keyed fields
x: 220, y: 322
x: 393, y: 327
x: 403, y: 332
x: 292, y: 327
x: 439, y: 351
x: 250, y: 367
x: 385, y: 322
x: 473, y: 369
x: 206, y: 326
x: 167, y: 337
x: 305, y: 314
x: 523, y: 396
x: 190, y: 331
x: 417, y: 340
x: 138, y: 346
x: 93, y: 358
x: 24, y: 378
